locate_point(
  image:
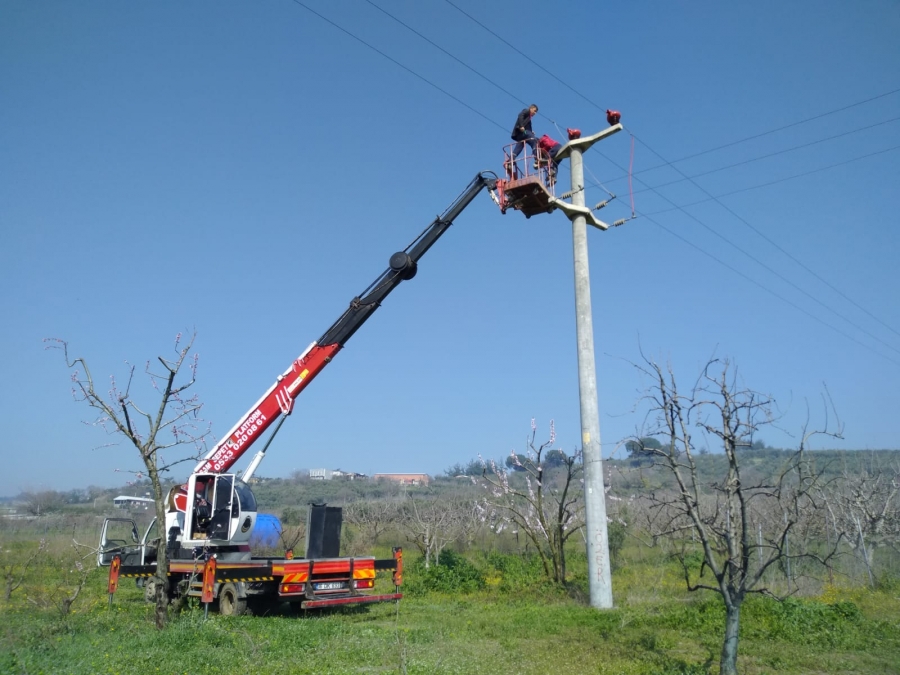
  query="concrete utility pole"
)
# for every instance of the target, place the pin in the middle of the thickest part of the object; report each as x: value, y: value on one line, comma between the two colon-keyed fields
x: 599, y: 571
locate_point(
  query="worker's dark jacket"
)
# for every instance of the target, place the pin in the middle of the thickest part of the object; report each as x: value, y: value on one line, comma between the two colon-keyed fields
x: 523, y: 120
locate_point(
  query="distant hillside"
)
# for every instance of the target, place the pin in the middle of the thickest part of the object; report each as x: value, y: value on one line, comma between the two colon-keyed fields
x: 628, y: 476
x: 631, y: 475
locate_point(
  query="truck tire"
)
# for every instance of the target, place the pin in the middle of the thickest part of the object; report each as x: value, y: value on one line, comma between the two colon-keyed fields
x: 229, y: 602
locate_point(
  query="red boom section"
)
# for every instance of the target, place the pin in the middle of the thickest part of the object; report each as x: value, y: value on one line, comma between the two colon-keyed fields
x: 279, y: 400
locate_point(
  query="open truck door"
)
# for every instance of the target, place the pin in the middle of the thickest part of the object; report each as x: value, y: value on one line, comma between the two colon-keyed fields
x: 118, y: 537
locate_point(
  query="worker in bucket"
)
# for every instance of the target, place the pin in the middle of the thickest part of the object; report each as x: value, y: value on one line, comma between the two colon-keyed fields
x: 546, y: 155
x: 523, y: 134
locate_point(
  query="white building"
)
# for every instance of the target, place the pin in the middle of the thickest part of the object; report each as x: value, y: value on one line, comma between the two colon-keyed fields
x: 125, y: 501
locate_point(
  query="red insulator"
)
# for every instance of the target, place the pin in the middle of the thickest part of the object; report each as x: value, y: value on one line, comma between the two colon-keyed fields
x: 613, y: 116
x: 573, y: 133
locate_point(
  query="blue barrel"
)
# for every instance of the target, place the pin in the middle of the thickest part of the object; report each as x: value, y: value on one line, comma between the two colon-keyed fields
x: 266, y: 531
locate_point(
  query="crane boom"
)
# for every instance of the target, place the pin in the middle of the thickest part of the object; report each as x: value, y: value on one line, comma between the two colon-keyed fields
x: 279, y: 399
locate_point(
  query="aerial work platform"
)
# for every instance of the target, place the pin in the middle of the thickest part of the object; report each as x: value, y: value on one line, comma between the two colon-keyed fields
x: 528, y: 194
x: 529, y: 185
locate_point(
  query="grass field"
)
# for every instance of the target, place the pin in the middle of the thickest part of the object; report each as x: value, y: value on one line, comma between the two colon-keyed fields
x: 500, y: 619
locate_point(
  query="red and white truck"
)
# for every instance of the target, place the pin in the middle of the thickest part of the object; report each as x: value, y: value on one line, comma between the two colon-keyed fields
x: 210, y: 519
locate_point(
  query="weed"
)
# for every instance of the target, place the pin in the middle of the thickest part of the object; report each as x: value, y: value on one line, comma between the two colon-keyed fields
x: 452, y: 574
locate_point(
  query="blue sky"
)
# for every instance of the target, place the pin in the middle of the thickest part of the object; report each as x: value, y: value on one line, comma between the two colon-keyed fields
x: 245, y: 169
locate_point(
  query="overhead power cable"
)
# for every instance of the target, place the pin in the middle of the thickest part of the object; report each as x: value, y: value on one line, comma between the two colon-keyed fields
x: 775, y: 182
x: 777, y: 129
x: 768, y: 268
x: 777, y: 246
x: 452, y: 56
x: 779, y: 275
x: 397, y: 63
x: 711, y: 197
x: 768, y: 290
x: 773, y: 154
x: 523, y: 54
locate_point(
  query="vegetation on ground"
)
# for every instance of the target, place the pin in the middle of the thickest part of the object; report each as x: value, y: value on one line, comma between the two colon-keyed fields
x: 488, y: 609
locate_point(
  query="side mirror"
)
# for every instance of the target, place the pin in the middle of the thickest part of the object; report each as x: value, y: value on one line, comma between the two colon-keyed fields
x: 134, y: 534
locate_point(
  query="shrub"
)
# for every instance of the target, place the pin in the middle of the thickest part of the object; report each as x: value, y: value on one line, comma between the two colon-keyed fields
x: 806, y: 621
x: 616, y: 537
x: 453, y: 573
x: 514, y: 572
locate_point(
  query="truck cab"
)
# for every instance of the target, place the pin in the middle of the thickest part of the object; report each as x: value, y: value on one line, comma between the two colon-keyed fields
x: 211, y: 511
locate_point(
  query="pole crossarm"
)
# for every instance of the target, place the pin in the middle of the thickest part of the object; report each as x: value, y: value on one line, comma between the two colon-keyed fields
x: 574, y: 210
x: 584, y: 143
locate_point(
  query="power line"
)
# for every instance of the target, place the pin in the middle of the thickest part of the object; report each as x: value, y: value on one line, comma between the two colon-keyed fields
x: 715, y: 199
x: 710, y: 229
x: 781, y: 128
x: 774, y: 154
x: 768, y: 290
x: 769, y: 269
x: 777, y: 246
x: 710, y: 197
x: 776, y: 181
x: 452, y: 56
x: 397, y: 63
x: 523, y: 55
x: 781, y: 276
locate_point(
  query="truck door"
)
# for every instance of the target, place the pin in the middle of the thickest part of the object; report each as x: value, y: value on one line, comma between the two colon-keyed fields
x: 118, y: 536
x: 150, y: 544
x: 213, y: 499
x: 223, y: 500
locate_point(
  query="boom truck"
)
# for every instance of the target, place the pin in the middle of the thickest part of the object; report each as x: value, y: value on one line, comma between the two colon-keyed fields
x: 209, y: 519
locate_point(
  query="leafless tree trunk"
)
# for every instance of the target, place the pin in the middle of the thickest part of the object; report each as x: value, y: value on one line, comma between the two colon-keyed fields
x: 865, y: 508
x: 372, y: 517
x: 42, y: 503
x: 727, y: 516
x: 433, y: 522
x: 61, y: 593
x: 543, y: 503
x: 172, y: 421
x: 14, y: 571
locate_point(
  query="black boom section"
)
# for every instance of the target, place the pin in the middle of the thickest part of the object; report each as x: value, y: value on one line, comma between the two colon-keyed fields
x: 403, y: 266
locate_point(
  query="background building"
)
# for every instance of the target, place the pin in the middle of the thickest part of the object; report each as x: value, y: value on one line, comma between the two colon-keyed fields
x: 405, y: 478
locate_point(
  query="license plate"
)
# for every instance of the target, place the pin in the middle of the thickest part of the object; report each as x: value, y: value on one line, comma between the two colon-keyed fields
x: 329, y: 586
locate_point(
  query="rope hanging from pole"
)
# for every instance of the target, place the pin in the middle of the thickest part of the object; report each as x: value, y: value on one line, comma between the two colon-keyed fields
x: 630, y: 172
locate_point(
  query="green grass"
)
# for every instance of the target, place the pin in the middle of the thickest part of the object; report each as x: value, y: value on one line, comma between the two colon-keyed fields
x: 483, y: 613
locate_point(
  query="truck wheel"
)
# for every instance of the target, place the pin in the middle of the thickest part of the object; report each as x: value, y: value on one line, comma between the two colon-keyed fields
x: 229, y: 602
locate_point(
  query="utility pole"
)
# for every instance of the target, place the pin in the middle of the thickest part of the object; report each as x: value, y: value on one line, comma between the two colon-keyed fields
x: 599, y: 572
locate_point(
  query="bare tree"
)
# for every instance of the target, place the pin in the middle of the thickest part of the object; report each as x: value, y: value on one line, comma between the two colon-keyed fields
x: 40, y: 503
x: 15, y: 569
x: 171, y: 422
x: 543, y: 504
x: 68, y: 577
x: 742, y: 528
x: 290, y: 536
x: 372, y: 517
x: 433, y: 522
x: 864, y: 508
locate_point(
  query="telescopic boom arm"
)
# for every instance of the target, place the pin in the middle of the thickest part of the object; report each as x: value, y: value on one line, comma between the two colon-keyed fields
x: 279, y: 399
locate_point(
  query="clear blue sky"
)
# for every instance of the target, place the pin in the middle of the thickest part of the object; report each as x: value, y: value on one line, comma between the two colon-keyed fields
x: 245, y: 169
